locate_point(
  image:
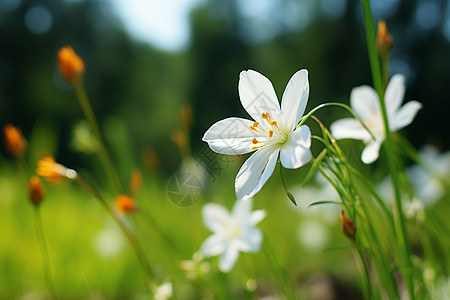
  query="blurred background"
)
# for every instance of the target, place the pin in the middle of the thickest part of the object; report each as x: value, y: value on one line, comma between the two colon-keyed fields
x: 146, y: 61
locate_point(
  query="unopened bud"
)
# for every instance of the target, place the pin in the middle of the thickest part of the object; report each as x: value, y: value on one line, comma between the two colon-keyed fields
x: 384, y: 38
x: 348, y: 227
x: 136, y: 181
x: 125, y: 204
x: 36, y: 190
x: 14, y: 141
x: 71, y: 66
x: 186, y: 115
x: 178, y: 138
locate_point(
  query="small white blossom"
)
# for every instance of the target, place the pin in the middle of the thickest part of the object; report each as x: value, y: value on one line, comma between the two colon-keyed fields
x: 273, y: 132
x: 164, y: 291
x: 365, y: 104
x: 428, y: 178
x: 232, y: 233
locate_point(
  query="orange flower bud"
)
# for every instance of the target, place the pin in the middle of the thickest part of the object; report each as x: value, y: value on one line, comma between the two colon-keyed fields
x: 71, y: 66
x: 125, y: 204
x: 36, y: 190
x: 384, y: 38
x: 150, y: 158
x: 14, y: 141
x: 136, y: 181
x: 178, y: 138
x: 186, y: 115
x: 52, y: 171
x: 348, y: 227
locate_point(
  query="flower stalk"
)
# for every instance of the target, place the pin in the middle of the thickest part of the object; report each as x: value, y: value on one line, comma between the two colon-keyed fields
x: 90, y: 116
x: 400, y: 228
x: 128, y: 233
x: 44, y: 251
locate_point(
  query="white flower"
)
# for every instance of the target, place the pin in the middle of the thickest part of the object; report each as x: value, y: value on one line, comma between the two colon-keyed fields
x: 233, y: 232
x: 274, y: 130
x: 428, y: 178
x: 108, y: 242
x: 365, y: 103
x: 164, y: 291
x: 313, y: 235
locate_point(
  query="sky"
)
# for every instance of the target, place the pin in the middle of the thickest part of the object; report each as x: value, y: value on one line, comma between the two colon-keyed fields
x: 163, y: 23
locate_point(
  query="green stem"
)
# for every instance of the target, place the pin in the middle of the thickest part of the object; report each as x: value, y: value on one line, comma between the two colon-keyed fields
x: 307, y: 116
x: 381, y: 260
x: 385, y: 69
x: 153, y: 226
x: 44, y: 253
x: 289, y: 194
x: 90, y: 116
x: 128, y: 233
x: 366, y: 281
x: 400, y: 228
x: 284, y: 281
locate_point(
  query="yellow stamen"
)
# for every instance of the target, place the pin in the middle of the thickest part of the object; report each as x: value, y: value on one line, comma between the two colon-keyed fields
x: 270, y: 133
x: 255, y: 124
x: 255, y: 141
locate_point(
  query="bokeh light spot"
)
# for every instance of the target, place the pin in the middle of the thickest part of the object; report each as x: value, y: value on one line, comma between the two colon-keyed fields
x: 333, y: 9
x: 428, y: 14
x: 38, y: 19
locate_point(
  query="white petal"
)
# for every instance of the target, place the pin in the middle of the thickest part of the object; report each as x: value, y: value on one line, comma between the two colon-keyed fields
x: 241, y: 209
x: 295, y: 98
x: 251, y: 240
x: 364, y: 101
x: 257, y: 95
x: 295, y: 152
x: 228, y: 257
x: 371, y: 152
x: 395, y: 92
x: 405, y: 115
x: 213, y: 215
x: 349, y: 128
x: 256, y: 217
x: 213, y: 245
x: 230, y: 136
x: 255, y: 171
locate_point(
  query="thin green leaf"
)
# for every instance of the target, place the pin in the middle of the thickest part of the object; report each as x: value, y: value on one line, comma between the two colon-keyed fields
x: 315, y: 166
x: 324, y: 202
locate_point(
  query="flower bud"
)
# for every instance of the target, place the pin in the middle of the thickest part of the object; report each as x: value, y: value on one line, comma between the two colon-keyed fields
x: 178, y: 138
x: 71, y: 66
x: 36, y: 190
x: 384, y: 38
x: 52, y: 171
x: 348, y: 227
x: 14, y: 141
x: 125, y: 204
x: 136, y: 181
x: 186, y: 115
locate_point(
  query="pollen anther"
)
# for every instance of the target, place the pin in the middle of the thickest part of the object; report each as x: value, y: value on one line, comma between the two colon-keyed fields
x: 255, y: 141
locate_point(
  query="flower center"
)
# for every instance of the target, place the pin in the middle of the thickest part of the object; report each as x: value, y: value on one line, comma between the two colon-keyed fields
x: 232, y: 230
x: 374, y: 122
x: 269, y: 132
